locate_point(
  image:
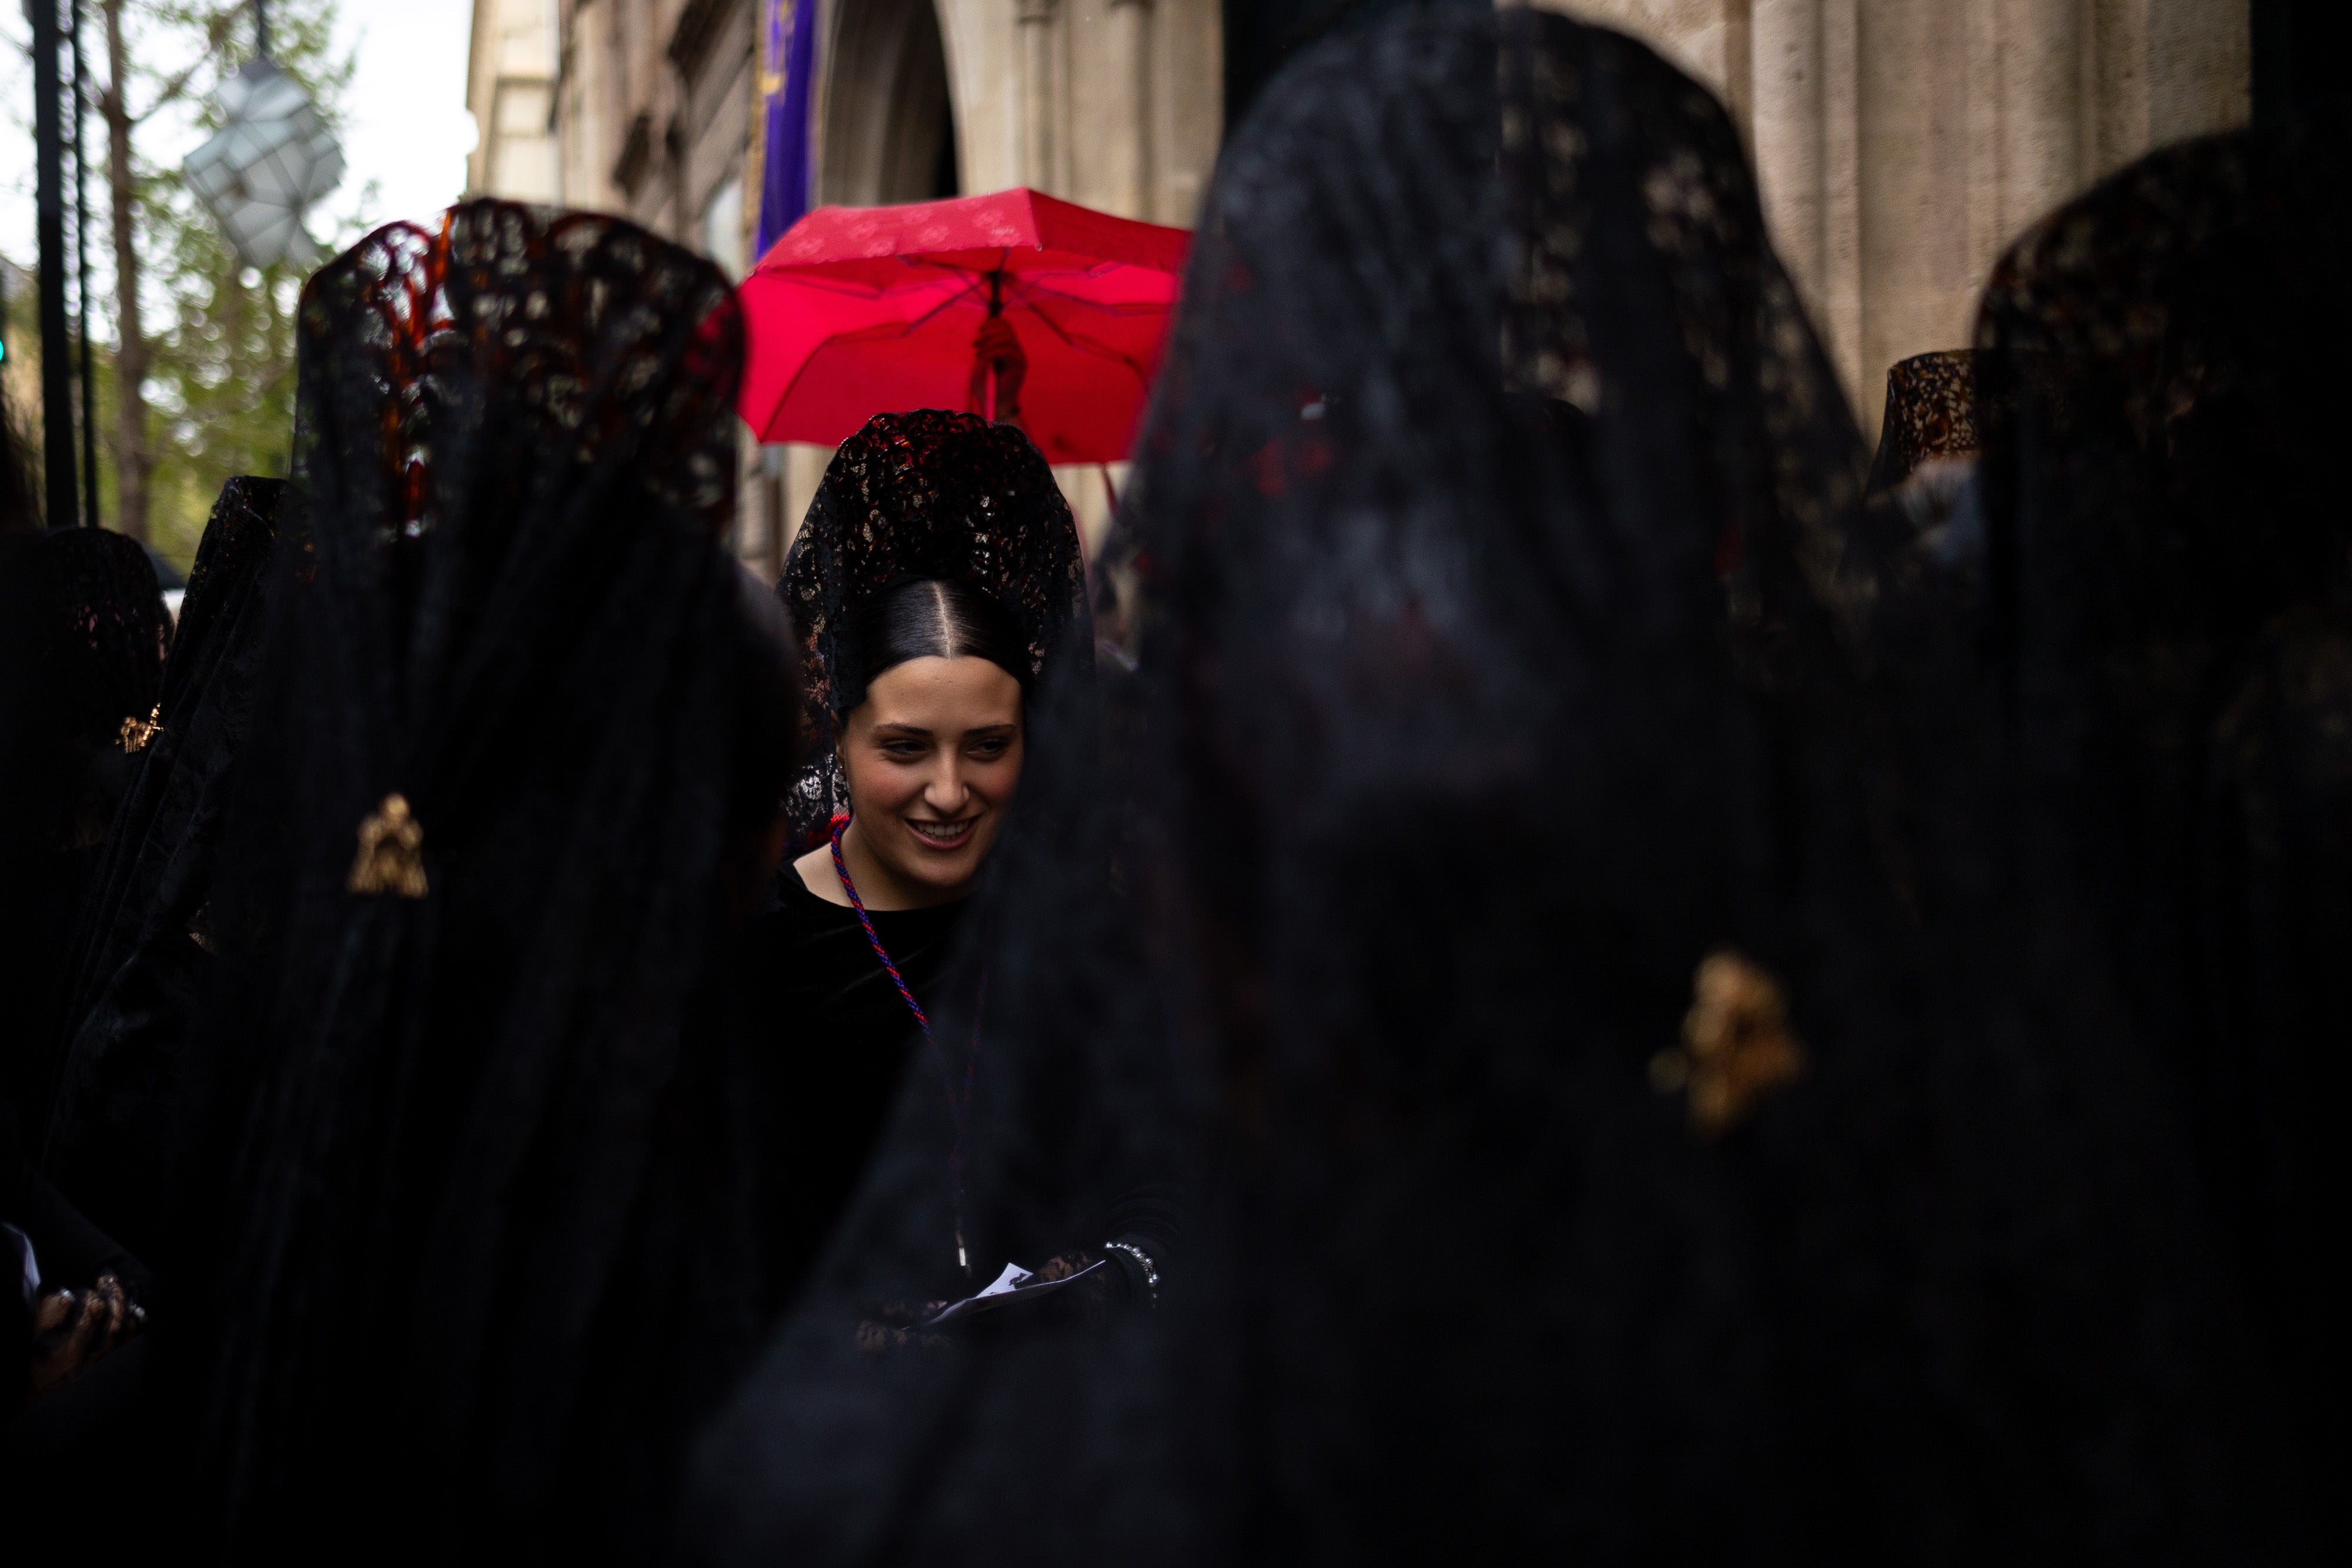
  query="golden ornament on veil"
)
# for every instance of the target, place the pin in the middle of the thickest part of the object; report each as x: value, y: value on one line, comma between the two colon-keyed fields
x: 1737, y: 1045
x: 138, y: 732
x: 392, y: 852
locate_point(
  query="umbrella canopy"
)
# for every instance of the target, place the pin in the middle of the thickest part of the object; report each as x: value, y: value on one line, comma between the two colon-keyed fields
x: 864, y: 310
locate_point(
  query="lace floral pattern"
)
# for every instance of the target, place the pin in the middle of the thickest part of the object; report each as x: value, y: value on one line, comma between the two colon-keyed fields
x: 1930, y: 414
x: 1753, y: 373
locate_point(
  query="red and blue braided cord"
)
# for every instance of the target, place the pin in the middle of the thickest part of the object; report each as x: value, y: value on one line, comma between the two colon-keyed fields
x: 841, y: 869
x: 874, y: 939
x: 956, y: 1108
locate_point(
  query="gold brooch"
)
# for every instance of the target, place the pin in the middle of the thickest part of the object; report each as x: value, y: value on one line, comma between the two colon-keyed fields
x: 1736, y: 1044
x: 138, y: 732
x: 392, y: 852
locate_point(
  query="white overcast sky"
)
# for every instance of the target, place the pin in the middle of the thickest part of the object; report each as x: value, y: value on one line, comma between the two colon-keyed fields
x: 406, y: 125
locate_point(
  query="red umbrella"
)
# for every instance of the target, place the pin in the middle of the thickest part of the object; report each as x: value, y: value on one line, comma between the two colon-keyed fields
x: 864, y: 310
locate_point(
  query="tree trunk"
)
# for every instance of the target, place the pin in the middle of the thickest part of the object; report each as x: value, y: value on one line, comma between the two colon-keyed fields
x: 134, y: 459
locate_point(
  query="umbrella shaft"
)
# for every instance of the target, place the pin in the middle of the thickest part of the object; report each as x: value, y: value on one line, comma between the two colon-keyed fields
x: 995, y: 367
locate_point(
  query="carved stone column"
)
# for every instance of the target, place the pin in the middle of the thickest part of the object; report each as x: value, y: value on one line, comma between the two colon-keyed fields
x: 1790, y: 130
x: 2041, y: 103
x: 1040, y: 37
x: 1131, y: 68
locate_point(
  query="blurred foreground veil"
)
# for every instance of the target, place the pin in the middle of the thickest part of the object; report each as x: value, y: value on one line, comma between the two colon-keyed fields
x: 484, y: 1251
x: 139, y: 968
x: 2168, y: 606
x: 83, y: 632
x: 1587, y: 1158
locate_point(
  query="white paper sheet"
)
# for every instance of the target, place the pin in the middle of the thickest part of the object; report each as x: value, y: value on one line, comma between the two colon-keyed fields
x: 1015, y: 1283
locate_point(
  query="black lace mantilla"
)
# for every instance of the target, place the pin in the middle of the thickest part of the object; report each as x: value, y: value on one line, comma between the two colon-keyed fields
x: 469, y: 1139
x: 927, y: 494
x: 2169, y: 608
x: 82, y: 637
x: 134, y: 973
x: 97, y: 629
x: 574, y: 319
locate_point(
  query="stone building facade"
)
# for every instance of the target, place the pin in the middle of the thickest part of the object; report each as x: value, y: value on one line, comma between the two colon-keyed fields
x: 1900, y: 145
x: 650, y: 109
x: 511, y: 90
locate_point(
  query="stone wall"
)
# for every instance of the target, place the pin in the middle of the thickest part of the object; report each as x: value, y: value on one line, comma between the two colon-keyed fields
x: 510, y: 89
x: 653, y: 111
x: 1901, y: 144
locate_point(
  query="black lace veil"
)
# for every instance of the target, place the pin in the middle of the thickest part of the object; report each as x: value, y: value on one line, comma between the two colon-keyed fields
x: 487, y: 1249
x: 137, y: 968
x: 1505, y: 620
x: 927, y: 494
x: 2169, y: 617
x: 83, y: 635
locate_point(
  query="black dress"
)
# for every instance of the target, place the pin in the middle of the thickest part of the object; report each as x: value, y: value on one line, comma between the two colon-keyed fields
x: 830, y: 1079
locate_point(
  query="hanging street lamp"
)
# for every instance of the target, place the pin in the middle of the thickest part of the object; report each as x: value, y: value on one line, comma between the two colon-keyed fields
x: 271, y: 159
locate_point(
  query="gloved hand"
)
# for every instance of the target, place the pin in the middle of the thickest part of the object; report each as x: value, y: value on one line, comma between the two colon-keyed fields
x: 1092, y: 1299
x: 892, y: 1326
x: 71, y: 1328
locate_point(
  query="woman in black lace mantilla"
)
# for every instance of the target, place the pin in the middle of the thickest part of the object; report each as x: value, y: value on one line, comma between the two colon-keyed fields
x: 488, y: 1248
x: 940, y: 598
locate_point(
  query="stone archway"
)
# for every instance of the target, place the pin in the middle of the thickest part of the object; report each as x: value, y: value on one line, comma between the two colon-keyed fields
x: 889, y: 131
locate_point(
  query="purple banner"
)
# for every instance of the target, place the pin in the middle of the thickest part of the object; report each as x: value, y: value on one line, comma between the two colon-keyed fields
x: 787, y: 78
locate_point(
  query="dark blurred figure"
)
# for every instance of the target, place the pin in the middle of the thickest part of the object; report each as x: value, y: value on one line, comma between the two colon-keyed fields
x: 2169, y: 614
x: 139, y: 966
x: 1603, y: 1156
x: 83, y: 635
x: 487, y: 1247
x: 74, y: 1373
x: 82, y: 640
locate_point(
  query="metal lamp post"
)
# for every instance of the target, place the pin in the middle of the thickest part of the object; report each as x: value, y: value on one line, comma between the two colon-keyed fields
x: 57, y: 364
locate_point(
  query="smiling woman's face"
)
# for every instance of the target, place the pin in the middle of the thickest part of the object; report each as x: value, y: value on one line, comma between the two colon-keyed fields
x: 932, y: 755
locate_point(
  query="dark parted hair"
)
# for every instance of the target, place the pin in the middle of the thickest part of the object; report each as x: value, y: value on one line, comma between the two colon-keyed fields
x: 926, y: 618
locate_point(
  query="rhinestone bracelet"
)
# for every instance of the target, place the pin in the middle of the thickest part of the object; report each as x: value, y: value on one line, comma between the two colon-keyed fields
x: 1150, y: 1274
